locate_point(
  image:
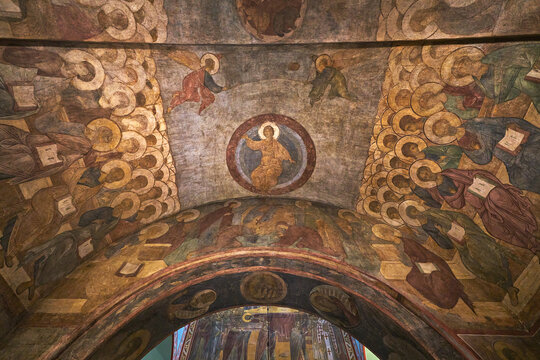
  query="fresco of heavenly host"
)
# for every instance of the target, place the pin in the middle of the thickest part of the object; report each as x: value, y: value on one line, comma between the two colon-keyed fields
x: 271, y: 20
x: 271, y: 154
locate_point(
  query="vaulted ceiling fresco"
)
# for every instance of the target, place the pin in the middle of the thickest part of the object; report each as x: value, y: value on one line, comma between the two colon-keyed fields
x: 160, y: 160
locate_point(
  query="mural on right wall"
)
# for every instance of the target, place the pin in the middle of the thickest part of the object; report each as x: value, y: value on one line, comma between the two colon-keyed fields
x: 453, y: 158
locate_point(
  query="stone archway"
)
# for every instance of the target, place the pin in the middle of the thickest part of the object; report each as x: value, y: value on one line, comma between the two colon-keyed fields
x: 144, y: 314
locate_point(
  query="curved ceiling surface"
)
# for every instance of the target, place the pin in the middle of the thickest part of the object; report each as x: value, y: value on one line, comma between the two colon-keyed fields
x: 140, y: 139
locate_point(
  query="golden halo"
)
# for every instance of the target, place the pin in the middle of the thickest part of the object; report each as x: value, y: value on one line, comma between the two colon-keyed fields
x: 405, y: 140
x: 398, y: 89
x: 157, y: 206
x: 153, y: 231
x: 394, y: 187
x: 141, y: 148
x: 99, y: 144
x: 377, y: 177
x: 166, y: 173
x: 383, y: 191
x: 156, y: 154
x: 377, y: 128
x: 117, y: 164
x: 403, y: 212
x: 430, y: 164
x: 203, y: 299
x: 342, y: 212
x: 387, y: 160
x: 319, y: 62
x: 386, y: 232
x: 447, y: 68
x: 451, y: 118
x: 164, y: 190
x: 418, y: 104
x: 170, y: 205
x: 135, y: 203
x: 375, y: 164
x: 147, y: 174
x: 367, y: 202
x: 188, y: 215
x: 366, y: 188
x: 272, y: 125
x: 384, y: 213
x: 387, y: 118
x: 396, y: 121
x: 233, y: 204
x: 212, y: 57
x: 380, y: 140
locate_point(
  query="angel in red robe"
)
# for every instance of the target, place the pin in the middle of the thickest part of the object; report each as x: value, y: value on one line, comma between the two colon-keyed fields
x: 199, y: 85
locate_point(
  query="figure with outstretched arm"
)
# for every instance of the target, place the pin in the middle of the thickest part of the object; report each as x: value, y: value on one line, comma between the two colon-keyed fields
x: 265, y: 176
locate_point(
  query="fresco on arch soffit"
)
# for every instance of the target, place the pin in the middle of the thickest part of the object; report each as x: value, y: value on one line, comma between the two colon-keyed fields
x: 243, y: 21
x: 442, y: 282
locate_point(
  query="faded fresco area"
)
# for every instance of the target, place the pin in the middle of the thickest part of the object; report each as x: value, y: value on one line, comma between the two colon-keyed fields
x: 84, y: 157
x: 255, y: 21
x: 84, y: 20
x: 264, y: 332
x: 449, y: 287
x: 454, y: 157
x: 360, y: 319
x: 327, y: 90
x: 268, y: 144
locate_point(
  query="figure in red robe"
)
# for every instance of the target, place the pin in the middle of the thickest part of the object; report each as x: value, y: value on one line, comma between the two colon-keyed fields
x: 433, y: 278
x: 505, y: 212
x: 198, y: 86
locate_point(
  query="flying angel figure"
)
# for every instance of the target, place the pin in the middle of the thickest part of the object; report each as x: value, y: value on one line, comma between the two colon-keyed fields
x: 198, y: 85
x: 329, y: 74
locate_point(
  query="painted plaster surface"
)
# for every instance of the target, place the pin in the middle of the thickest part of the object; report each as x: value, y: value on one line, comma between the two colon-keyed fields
x: 306, y: 21
x: 434, y: 145
x: 255, y: 78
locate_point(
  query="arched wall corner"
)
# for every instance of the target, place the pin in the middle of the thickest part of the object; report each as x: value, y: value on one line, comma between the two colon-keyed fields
x: 133, y: 322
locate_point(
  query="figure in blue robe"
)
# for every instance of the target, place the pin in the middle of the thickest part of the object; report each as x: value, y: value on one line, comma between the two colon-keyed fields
x: 522, y: 167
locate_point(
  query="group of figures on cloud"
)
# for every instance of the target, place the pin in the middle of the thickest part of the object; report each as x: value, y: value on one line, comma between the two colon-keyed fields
x: 140, y: 21
x: 249, y: 223
x: 200, y: 86
x: 441, y: 136
x: 83, y: 149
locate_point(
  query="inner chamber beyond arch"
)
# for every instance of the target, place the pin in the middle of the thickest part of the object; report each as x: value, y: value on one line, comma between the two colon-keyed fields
x: 260, y: 333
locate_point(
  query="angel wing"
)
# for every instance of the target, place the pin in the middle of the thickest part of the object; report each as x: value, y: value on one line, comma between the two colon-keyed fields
x: 344, y: 58
x: 186, y: 58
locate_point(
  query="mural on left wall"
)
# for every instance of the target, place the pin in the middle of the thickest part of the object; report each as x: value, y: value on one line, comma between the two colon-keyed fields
x: 84, y: 157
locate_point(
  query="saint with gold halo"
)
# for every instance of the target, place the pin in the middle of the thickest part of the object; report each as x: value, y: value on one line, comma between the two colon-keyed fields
x: 265, y: 176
